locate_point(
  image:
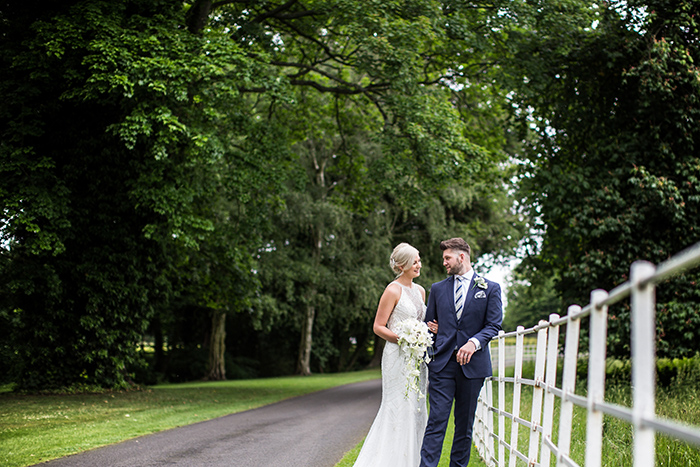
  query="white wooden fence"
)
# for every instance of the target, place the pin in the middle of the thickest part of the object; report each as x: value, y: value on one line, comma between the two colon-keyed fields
x: 542, y: 450
x: 510, y: 353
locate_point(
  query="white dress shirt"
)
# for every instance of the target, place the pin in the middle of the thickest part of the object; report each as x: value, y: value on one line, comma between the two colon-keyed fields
x: 466, y: 280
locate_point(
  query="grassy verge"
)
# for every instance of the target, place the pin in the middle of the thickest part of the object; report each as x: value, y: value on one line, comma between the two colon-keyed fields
x: 680, y: 403
x: 34, y: 429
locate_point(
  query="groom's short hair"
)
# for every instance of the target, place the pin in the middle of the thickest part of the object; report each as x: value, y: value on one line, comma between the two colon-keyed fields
x: 456, y: 244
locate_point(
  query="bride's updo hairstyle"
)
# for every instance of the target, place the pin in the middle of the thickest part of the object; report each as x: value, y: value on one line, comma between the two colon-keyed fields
x: 402, y: 256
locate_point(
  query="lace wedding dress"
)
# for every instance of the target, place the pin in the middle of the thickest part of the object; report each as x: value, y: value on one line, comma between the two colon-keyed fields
x: 396, y: 434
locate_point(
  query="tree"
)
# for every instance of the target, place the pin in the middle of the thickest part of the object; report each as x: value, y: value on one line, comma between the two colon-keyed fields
x: 613, y: 174
x: 121, y: 140
x: 374, y: 123
x: 147, y: 146
x: 532, y: 296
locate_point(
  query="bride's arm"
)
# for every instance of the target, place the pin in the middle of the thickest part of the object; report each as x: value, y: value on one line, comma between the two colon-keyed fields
x: 432, y: 325
x: 387, y: 302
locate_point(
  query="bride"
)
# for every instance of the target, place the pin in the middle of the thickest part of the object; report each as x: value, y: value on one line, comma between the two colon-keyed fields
x: 397, y: 432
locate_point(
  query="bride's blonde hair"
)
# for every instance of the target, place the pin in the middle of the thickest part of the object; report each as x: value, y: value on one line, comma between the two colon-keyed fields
x: 402, y: 256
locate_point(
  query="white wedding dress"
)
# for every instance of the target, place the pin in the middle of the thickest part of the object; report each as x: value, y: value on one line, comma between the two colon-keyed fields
x: 396, y: 434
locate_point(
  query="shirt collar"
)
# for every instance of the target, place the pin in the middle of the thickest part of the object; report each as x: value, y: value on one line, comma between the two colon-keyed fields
x: 467, y: 277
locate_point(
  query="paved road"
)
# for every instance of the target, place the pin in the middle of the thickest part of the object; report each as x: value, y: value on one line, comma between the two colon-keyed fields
x: 314, y: 430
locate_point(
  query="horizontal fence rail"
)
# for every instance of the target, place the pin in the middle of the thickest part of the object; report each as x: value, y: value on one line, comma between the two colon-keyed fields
x: 529, y: 354
x: 542, y: 449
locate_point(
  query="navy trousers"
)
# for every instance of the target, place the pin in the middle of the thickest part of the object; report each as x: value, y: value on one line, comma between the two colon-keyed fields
x: 445, y: 386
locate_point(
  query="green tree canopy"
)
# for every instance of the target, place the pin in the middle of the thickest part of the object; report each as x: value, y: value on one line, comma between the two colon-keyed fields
x: 532, y: 297
x: 612, y: 175
x: 127, y: 148
x: 159, y: 156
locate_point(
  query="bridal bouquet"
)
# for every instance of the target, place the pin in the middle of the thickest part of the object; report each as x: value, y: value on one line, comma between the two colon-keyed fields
x: 414, y: 341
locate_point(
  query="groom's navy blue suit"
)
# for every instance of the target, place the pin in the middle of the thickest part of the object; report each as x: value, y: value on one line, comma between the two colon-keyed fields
x: 481, y: 319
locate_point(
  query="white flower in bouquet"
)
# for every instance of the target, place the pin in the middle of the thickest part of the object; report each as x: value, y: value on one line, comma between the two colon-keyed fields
x: 414, y: 341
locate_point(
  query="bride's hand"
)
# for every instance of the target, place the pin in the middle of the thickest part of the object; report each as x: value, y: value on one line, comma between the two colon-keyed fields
x: 433, y: 326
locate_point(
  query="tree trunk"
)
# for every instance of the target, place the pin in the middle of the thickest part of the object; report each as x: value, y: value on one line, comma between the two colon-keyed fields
x: 217, y: 346
x: 158, y: 343
x: 359, y: 350
x: 198, y: 15
x: 304, y: 360
x: 378, y: 350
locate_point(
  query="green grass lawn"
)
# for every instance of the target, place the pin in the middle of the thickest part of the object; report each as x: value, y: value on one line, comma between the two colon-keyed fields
x: 681, y: 404
x: 34, y: 429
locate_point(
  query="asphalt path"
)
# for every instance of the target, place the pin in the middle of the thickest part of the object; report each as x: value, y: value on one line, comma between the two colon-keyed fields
x: 314, y: 430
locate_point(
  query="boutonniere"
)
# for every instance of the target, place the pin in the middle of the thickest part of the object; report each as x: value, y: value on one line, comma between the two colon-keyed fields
x: 481, y: 283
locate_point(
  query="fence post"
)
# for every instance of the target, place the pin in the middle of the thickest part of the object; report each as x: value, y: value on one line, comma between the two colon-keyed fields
x: 550, y: 382
x: 482, y: 437
x: 501, y: 399
x: 643, y: 302
x: 537, y: 393
x: 488, y: 439
x: 596, y: 377
x: 517, y: 387
x: 568, y: 385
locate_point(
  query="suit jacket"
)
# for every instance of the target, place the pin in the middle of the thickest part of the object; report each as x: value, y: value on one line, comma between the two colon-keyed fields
x: 481, y: 318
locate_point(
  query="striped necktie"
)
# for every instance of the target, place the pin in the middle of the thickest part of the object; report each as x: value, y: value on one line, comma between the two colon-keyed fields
x: 459, y: 296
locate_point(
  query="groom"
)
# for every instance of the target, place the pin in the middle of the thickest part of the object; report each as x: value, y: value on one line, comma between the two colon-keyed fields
x: 469, y: 313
